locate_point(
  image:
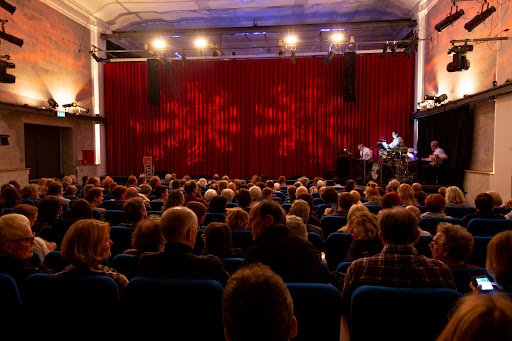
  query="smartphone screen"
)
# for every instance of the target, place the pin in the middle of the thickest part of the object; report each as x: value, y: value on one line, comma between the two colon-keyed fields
x: 485, y: 283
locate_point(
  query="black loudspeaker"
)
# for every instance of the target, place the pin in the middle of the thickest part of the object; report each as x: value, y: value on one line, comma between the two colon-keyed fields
x: 343, y: 168
x: 349, y: 77
x: 153, y: 81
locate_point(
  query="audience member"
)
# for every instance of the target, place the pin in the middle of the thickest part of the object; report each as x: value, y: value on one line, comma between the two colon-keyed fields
x: 393, y: 184
x: 373, y: 197
x: 95, y: 198
x: 199, y: 209
x: 399, y: 264
x: 49, y: 210
x: 134, y: 212
x: 236, y: 219
x: 453, y: 245
x: 218, y: 204
x: 70, y: 193
x: 416, y: 187
x: 244, y: 199
x: 357, y: 196
x: 302, y: 209
x: 146, y: 237
x: 365, y: 233
x: 56, y: 189
x: 161, y: 193
x: 296, y: 226
x: 349, y: 186
x: 271, y: 314
x: 193, y: 192
x: 106, y: 182
x: 480, y: 318
x: 30, y: 192
x: 10, y: 197
x: 311, y: 202
x: 496, y: 197
x: 484, y: 209
x: 417, y: 213
x: 255, y: 193
x: 420, y: 197
x: 454, y: 197
x: 85, y: 246
x: 406, y: 195
x: 175, y: 198
x: 209, y: 194
x: 16, y: 248
x: 118, y: 193
x: 345, y: 201
x: 179, y: 227
x: 218, y: 241
x: 94, y: 180
x: 435, y: 204
x: 146, y: 190
x: 351, y: 212
x: 499, y: 261
x: 291, y: 194
x: 229, y: 194
x: 293, y: 258
x: 442, y: 191
x: 390, y: 200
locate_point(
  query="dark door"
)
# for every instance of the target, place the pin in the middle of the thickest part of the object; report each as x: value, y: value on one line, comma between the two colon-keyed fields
x: 42, y: 150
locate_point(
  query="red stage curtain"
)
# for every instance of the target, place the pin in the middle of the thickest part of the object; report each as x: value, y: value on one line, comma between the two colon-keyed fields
x: 246, y: 117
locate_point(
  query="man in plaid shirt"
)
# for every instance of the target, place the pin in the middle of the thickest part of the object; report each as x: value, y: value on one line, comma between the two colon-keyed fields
x: 399, y: 265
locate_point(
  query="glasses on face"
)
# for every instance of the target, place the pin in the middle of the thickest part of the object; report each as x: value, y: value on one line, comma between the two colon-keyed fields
x: 26, y: 240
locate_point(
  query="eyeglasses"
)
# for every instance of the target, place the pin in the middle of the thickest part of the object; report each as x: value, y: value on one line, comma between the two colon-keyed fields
x: 26, y: 240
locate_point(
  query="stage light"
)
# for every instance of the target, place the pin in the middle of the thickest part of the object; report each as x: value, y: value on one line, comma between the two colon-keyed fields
x: 384, y: 49
x: 290, y: 40
x: 69, y: 105
x: 479, y: 18
x: 392, y: 47
x: 52, y: 103
x: 4, y: 65
x: 441, y: 99
x: 337, y: 38
x: 327, y: 59
x: 11, y: 39
x: 429, y: 98
x: 281, y: 47
x: 292, y: 53
x: 201, y: 43
x: 7, y: 6
x: 459, y: 63
x: 449, y: 20
x: 166, y: 63
x: 159, y: 44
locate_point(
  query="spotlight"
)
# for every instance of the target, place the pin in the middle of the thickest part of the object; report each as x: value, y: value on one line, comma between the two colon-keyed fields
x: 441, y: 99
x: 10, y: 38
x: 459, y: 63
x: 69, y: 105
x: 292, y: 53
x: 327, y: 59
x: 4, y: 65
x: 479, y: 18
x: 291, y: 40
x: 429, y: 98
x: 337, y: 38
x: 159, y: 44
x: 52, y: 103
x: 201, y: 43
x: 7, y: 6
x: 184, y: 59
x: 166, y: 63
x: 449, y: 20
x: 392, y: 47
x: 384, y: 49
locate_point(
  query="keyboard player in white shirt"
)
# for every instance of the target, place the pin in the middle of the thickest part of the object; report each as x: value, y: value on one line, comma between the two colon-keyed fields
x: 364, y: 152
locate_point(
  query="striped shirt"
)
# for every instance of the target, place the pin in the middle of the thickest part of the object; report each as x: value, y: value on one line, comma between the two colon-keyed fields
x: 397, y: 266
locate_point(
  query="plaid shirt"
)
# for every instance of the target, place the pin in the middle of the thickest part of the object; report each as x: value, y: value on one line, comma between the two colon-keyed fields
x: 397, y: 266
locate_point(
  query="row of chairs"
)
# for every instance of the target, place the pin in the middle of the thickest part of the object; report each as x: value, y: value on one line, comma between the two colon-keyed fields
x: 153, y: 308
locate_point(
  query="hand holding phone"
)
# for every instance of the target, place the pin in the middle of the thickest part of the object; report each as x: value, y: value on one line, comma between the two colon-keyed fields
x: 482, y: 283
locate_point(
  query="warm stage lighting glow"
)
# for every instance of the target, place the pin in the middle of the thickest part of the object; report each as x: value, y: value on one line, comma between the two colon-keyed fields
x: 159, y: 43
x: 290, y: 40
x: 337, y: 38
x: 201, y: 43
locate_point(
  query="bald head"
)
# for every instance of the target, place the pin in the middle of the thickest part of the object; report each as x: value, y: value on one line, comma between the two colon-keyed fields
x: 179, y: 225
x: 131, y: 192
x: 300, y: 191
x: 415, y: 211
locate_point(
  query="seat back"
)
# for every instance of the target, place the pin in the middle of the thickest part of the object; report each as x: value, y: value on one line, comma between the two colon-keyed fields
x: 156, y: 205
x: 317, y: 308
x: 488, y: 227
x: 78, y: 300
x: 286, y: 207
x: 232, y: 264
x: 11, y: 307
x: 479, y: 256
x: 430, y: 224
x: 499, y: 210
x: 315, y: 239
x: 374, y: 208
x: 242, y: 239
x: 458, y: 212
x: 320, y: 209
x: 423, y: 247
x: 126, y: 264
x: 313, y: 220
x: 96, y: 214
x: 121, y: 237
x: 54, y: 261
x: 405, y: 310
x: 114, y: 217
x: 336, y: 248
x: 191, y: 307
x: 331, y: 224
x: 214, y: 217
x: 463, y: 277
x: 110, y: 204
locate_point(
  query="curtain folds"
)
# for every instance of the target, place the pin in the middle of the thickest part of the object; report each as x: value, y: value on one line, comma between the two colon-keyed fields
x: 246, y: 117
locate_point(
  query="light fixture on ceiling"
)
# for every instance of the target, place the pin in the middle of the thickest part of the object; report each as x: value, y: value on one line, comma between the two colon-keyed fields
x: 282, y: 49
x: 479, y: 18
x: 328, y: 58
x: 459, y: 61
x: 52, y: 103
x: 449, y: 20
x: 8, y: 37
x: 384, y: 49
x: 69, y: 105
x: 159, y: 44
x: 337, y: 38
x: 166, y: 63
x: 201, y: 43
x: 4, y: 65
x: 291, y: 42
x: 292, y: 54
x: 392, y: 47
x: 7, y: 6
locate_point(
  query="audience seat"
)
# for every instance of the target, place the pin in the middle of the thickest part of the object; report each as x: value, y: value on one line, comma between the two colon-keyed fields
x: 479, y: 256
x: 331, y: 224
x: 336, y: 248
x: 463, y: 277
x: 110, y: 205
x: 214, y: 217
x: 121, y: 237
x: 96, y: 215
x: 499, y: 210
x: 318, y: 201
x: 317, y: 308
x: 374, y: 208
x: 400, y: 314
x: 231, y: 205
x: 277, y: 199
x: 9, y: 297
x: 320, y: 209
x: 430, y: 224
x: 178, y: 309
x: 315, y: 239
x: 155, y: 213
x: 458, y: 211
x: 156, y: 205
x: 241, y: 239
x: 280, y: 195
x: 88, y: 305
x: 423, y: 247
x: 232, y: 264
x: 126, y: 264
x: 286, y: 207
x: 488, y: 227
x: 28, y: 201
x: 114, y: 217
x: 313, y: 220
x: 54, y: 261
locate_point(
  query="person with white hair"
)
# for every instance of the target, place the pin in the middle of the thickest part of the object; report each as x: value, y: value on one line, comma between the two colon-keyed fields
x: 255, y: 193
x: 228, y: 194
x: 296, y: 226
x: 209, y: 194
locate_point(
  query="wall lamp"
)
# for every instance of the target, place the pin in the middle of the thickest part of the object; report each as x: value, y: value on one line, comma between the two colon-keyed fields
x: 479, y: 18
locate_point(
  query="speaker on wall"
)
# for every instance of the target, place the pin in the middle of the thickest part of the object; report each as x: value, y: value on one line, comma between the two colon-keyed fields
x: 153, y: 81
x: 349, y: 77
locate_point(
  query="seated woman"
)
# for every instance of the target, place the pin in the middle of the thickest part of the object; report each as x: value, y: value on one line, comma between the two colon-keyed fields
x: 218, y: 242
x: 95, y: 198
x: 237, y: 218
x: 85, y: 246
x: 454, y: 197
x: 496, y: 197
x: 175, y: 198
x: 146, y: 237
x: 218, y: 204
x: 16, y: 248
x: 499, y: 262
x: 389, y: 200
x: 435, y: 204
x: 372, y: 195
x: 49, y: 211
x: 406, y: 195
x: 351, y: 212
x: 365, y: 232
x: 30, y: 192
x: 10, y: 197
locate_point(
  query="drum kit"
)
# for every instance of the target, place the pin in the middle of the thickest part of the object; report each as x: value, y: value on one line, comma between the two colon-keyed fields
x: 398, y: 161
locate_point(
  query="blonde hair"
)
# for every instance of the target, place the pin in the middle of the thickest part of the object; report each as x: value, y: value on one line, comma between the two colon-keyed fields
x: 480, y: 318
x: 356, y: 195
x: 499, y: 261
x: 10, y: 227
x: 351, y: 212
x: 236, y: 218
x: 81, y: 245
x: 364, y: 225
x: 496, y: 197
x: 301, y: 209
x: 406, y: 195
x: 454, y: 196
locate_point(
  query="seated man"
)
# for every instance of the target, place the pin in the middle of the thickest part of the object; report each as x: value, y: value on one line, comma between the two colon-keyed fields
x: 193, y: 192
x: 134, y: 211
x: 399, y: 265
x: 179, y: 227
x: 257, y: 306
x: 291, y: 257
x: 345, y: 202
x: 484, y: 209
x: 436, y: 165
